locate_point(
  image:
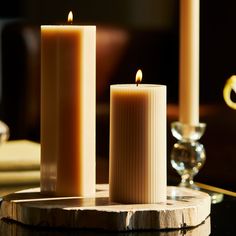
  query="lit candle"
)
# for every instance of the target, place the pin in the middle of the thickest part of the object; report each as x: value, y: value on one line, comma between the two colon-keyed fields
x: 189, y: 62
x: 137, y: 143
x: 68, y: 109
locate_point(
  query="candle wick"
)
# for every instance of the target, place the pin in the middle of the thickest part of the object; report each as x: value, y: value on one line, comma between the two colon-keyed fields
x: 137, y: 82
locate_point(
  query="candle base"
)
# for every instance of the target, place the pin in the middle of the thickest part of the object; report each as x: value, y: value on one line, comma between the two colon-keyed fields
x: 184, y: 209
x: 188, y: 155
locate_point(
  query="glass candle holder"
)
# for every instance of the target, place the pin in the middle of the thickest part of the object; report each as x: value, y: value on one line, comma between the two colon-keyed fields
x: 188, y: 155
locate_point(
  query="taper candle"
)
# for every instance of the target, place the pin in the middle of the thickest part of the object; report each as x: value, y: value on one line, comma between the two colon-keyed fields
x: 68, y: 109
x: 137, y: 143
x: 189, y: 62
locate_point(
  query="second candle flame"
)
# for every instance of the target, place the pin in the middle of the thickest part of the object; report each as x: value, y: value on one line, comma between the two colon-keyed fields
x: 138, y: 78
x: 70, y: 17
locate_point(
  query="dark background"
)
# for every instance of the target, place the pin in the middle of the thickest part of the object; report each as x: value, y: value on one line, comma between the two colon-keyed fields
x: 131, y: 34
x: 158, y: 56
x: 217, y: 26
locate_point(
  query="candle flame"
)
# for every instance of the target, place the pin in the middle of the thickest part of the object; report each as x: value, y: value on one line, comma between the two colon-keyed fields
x: 70, y: 17
x: 139, y: 76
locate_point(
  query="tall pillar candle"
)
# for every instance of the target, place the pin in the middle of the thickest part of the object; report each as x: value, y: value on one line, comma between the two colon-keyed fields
x: 137, y: 143
x: 68, y: 110
x: 189, y: 61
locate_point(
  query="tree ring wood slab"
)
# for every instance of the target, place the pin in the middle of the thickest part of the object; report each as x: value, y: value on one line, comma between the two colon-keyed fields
x: 183, y: 208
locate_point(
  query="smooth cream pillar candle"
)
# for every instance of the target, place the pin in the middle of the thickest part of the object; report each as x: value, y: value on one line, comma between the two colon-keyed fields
x: 68, y: 110
x: 137, y: 143
x: 189, y: 62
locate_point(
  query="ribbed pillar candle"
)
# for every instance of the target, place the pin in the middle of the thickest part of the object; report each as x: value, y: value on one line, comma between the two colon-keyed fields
x: 137, y: 143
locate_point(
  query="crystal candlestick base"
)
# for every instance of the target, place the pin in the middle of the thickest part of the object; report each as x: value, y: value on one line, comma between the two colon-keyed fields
x: 188, y: 155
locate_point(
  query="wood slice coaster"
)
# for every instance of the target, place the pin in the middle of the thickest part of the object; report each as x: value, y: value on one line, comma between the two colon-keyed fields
x: 183, y: 208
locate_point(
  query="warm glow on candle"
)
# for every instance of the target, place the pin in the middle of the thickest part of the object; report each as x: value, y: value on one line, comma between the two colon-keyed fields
x: 137, y: 143
x: 139, y: 76
x: 189, y: 62
x: 70, y: 17
x: 68, y: 56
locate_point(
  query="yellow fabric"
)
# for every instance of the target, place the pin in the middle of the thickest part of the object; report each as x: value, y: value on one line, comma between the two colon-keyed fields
x: 19, y: 177
x: 19, y: 155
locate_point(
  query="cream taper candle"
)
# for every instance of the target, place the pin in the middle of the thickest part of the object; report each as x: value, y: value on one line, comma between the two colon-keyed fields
x: 189, y: 62
x: 68, y: 109
x: 137, y: 143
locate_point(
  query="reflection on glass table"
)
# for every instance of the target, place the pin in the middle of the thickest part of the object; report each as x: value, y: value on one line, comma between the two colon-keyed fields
x: 14, y: 229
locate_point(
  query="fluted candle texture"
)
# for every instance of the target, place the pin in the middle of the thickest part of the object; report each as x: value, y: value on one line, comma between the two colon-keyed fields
x: 137, y: 143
